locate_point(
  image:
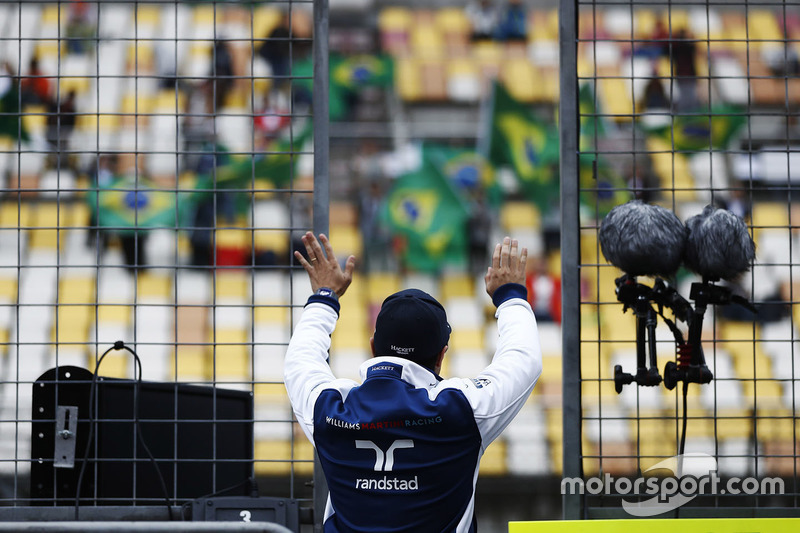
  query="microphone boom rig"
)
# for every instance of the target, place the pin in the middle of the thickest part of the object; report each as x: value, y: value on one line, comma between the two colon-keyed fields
x: 690, y: 366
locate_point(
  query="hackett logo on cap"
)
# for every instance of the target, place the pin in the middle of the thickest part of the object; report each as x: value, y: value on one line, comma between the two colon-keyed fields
x: 401, y: 350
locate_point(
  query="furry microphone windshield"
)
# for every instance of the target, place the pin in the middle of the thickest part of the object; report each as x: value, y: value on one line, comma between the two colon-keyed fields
x: 643, y: 239
x: 718, y: 245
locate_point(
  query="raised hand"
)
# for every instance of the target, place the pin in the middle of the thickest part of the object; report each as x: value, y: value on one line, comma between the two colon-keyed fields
x: 508, y: 265
x: 323, y: 269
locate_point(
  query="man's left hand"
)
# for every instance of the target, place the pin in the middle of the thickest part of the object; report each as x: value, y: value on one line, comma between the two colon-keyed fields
x: 323, y: 268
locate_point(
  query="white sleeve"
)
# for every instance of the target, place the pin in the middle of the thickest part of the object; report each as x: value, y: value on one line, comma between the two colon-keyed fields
x: 306, y: 370
x: 501, y: 389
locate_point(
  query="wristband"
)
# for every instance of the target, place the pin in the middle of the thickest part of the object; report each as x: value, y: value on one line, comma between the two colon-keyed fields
x: 326, y: 296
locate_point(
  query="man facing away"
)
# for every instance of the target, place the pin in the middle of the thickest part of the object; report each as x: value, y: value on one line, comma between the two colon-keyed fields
x: 401, y: 451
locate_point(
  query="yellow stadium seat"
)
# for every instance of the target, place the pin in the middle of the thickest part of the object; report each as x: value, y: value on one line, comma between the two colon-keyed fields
x: 409, y: 79
x: 615, y: 98
x: 231, y: 354
x: 762, y: 25
x: 192, y: 363
x: 72, y: 290
x: 395, y: 18
x: 453, y: 19
x: 281, y: 458
x: 427, y: 41
x: 119, y: 314
x: 644, y: 23
x: 520, y: 215
x: 271, y: 314
x: 493, y: 462
x: 348, y: 240
x: 735, y: 31
x: 733, y: 424
x: 672, y: 169
x: 34, y: 119
x: 13, y: 215
x: 265, y: 19
x: 231, y: 284
x: 271, y: 240
x: 351, y: 336
x: 522, y: 79
x: 769, y: 215
x: 114, y: 365
x: 72, y: 324
x: 8, y: 289
x: 381, y: 285
x: 149, y: 285
x: 466, y: 339
x: 457, y: 286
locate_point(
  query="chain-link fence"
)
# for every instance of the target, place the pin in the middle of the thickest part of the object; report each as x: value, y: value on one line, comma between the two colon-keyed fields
x: 158, y: 170
x: 681, y: 105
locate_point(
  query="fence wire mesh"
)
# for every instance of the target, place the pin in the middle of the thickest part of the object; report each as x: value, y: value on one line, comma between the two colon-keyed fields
x: 158, y: 173
x: 685, y: 104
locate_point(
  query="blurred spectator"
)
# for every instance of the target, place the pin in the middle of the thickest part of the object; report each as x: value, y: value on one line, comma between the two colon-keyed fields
x: 655, y: 97
x: 35, y: 85
x: 222, y: 74
x: 544, y: 290
x: 81, y: 27
x: 781, y: 59
x: 479, y: 228
x: 276, y: 50
x: 101, y: 173
x: 60, y: 123
x: 377, y: 240
x: 684, y: 70
x: 774, y: 282
x: 6, y: 79
x: 513, y: 23
x: 658, y: 44
x: 484, y: 17
x: 738, y: 202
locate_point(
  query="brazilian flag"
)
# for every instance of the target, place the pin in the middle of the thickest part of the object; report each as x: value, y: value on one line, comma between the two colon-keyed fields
x: 303, y: 72
x: 528, y: 144
x: 713, y: 129
x: 466, y: 170
x: 11, y: 124
x: 127, y: 205
x: 423, y: 208
x: 277, y: 164
x: 359, y: 71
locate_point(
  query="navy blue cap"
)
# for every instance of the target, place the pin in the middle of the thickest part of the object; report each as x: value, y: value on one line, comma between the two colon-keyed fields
x: 413, y: 325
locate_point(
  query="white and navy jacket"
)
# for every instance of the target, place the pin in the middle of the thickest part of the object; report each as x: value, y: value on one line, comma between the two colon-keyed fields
x: 401, y: 451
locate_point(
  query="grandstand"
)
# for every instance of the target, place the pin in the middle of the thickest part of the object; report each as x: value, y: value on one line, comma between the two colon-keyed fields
x: 146, y: 90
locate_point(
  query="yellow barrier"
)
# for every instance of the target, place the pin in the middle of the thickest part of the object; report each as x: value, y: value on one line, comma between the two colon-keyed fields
x: 715, y: 525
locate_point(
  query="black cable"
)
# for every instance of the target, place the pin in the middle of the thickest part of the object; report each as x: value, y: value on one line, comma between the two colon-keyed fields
x: 685, y: 418
x: 119, y: 345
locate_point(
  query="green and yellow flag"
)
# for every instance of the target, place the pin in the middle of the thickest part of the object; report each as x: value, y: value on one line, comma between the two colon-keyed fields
x: 127, y: 205
x: 11, y: 124
x: 359, y: 71
x: 277, y: 164
x: 466, y: 170
x: 423, y: 208
x: 528, y: 144
x: 713, y: 129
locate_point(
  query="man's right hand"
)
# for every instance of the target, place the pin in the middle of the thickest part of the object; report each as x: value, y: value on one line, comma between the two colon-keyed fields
x: 508, y: 265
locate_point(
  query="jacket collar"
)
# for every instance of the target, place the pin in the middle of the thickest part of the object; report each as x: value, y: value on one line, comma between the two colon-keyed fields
x: 397, y: 367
